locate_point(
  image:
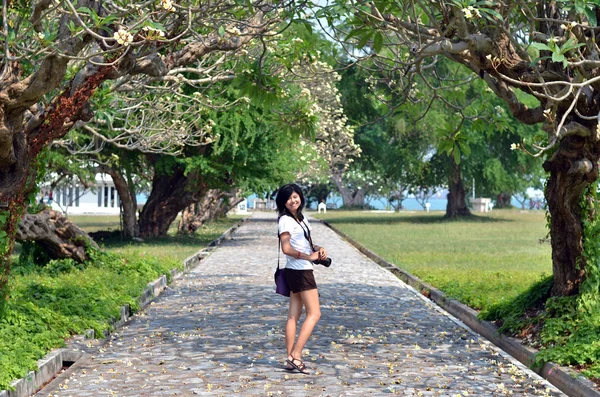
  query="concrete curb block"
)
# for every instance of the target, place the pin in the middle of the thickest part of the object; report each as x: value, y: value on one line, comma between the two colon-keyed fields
x: 565, y: 379
x: 48, y: 367
x: 53, y: 362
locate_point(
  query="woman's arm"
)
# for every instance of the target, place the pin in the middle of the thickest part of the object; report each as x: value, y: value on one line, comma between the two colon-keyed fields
x: 287, y: 249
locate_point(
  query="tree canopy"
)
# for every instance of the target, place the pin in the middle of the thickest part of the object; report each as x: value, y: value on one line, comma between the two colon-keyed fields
x: 546, y: 49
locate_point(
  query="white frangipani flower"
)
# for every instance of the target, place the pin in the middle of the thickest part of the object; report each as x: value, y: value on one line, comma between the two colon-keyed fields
x: 123, y: 37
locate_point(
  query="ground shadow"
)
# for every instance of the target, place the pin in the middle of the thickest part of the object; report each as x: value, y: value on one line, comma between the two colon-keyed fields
x: 417, y: 219
x: 116, y: 241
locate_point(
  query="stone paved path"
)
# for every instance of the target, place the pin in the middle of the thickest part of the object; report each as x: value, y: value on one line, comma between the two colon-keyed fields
x: 218, y: 331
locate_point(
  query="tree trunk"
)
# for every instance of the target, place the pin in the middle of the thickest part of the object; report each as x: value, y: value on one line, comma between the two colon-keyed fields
x: 57, y: 234
x: 198, y: 213
x: 21, y: 143
x: 128, y: 203
x: 228, y: 201
x: 187, y: 219
x: 350, y: 198
x: 10, y: 213
x: 214, y: 204
x: 457, y: 204
x: 503, y: 200
x: 570, y: 175
x: 170, y: 195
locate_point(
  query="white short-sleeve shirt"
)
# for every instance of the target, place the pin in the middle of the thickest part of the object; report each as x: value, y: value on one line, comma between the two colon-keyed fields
x: 297, y: 240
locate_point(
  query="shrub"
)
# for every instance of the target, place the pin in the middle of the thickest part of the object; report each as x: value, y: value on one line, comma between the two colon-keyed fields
x: 63, y: 298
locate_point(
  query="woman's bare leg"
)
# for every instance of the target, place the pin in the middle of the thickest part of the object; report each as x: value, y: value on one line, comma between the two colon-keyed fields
x: 294, y: 313
x: 310, y: 299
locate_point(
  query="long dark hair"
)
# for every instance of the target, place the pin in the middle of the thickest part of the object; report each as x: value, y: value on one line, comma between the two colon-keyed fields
x: 284, y: 194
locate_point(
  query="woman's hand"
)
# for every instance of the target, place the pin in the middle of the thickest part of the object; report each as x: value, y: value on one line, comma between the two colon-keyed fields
x: 322, y: 253
x: 314, y: 256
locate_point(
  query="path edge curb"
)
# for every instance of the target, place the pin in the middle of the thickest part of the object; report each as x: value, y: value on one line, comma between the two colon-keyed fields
x: 565, y: 379
x: 52, y: 363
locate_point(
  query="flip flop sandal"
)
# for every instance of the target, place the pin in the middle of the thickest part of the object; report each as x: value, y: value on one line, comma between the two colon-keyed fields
x: 298, y: 367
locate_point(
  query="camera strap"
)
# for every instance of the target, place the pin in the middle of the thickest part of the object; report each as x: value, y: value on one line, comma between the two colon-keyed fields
x: 306, y: 233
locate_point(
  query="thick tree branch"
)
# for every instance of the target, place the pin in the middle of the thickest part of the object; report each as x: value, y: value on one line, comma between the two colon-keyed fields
x: 521, y: 112
x: 574, y: 128
x: 38, y: 9
x: 196, y: 50
x: 583, y: 166
x: 51, y: 70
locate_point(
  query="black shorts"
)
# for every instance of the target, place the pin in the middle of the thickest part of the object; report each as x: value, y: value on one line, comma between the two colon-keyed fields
x: 300, y: 280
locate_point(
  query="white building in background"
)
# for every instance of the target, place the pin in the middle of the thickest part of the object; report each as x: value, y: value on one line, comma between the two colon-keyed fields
x: 74, y: 199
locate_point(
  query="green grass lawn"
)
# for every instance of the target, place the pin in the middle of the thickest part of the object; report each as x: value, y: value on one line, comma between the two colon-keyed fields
x: 480, y: 261
x: 173, y: 246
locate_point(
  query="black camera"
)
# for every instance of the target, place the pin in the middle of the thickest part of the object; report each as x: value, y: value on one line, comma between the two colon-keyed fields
x: 324, y: 262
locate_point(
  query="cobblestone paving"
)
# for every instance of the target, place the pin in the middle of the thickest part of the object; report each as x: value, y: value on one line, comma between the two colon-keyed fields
x: 218, y: 331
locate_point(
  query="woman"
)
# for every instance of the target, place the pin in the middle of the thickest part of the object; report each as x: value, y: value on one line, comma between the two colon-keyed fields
x: 294, y: 232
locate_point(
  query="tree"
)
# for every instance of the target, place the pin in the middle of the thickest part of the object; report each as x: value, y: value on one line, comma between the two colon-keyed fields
x: 498, y: 170
x: 381, y: 141
x: 396, y: 139
x: 334, y: 138
x: 56, y: 55
x: 546, y: 49
x: 429, y: 178
x: 243, y: 153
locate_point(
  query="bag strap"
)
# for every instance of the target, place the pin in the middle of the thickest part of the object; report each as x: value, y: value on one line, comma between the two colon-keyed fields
x: 278, y: 249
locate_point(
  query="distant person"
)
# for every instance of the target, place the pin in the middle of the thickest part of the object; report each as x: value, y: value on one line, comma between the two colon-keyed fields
x: 294, y: 234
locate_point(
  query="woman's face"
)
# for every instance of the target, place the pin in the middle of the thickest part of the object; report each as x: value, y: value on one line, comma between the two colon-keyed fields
x: 293, y: 203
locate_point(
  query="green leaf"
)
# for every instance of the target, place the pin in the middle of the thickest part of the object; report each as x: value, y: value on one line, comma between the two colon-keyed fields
x: 557, y: 57
x: 108, y: 20
x: 568, y: 45
x: 466, y: 149
x: 222, y: 31
x: 591, y: 16
x: 538, y: 59
x: 355, y: 33
x: 155, y: 25
x: 445, y: 146
x: 308, y: 27
x: 493, y: 13
x: 540, y: 46
x: 456, y: 155
x: 363, y: 41
x: 91, y: 13
x: 377, y: 42
x: 84, y: 10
